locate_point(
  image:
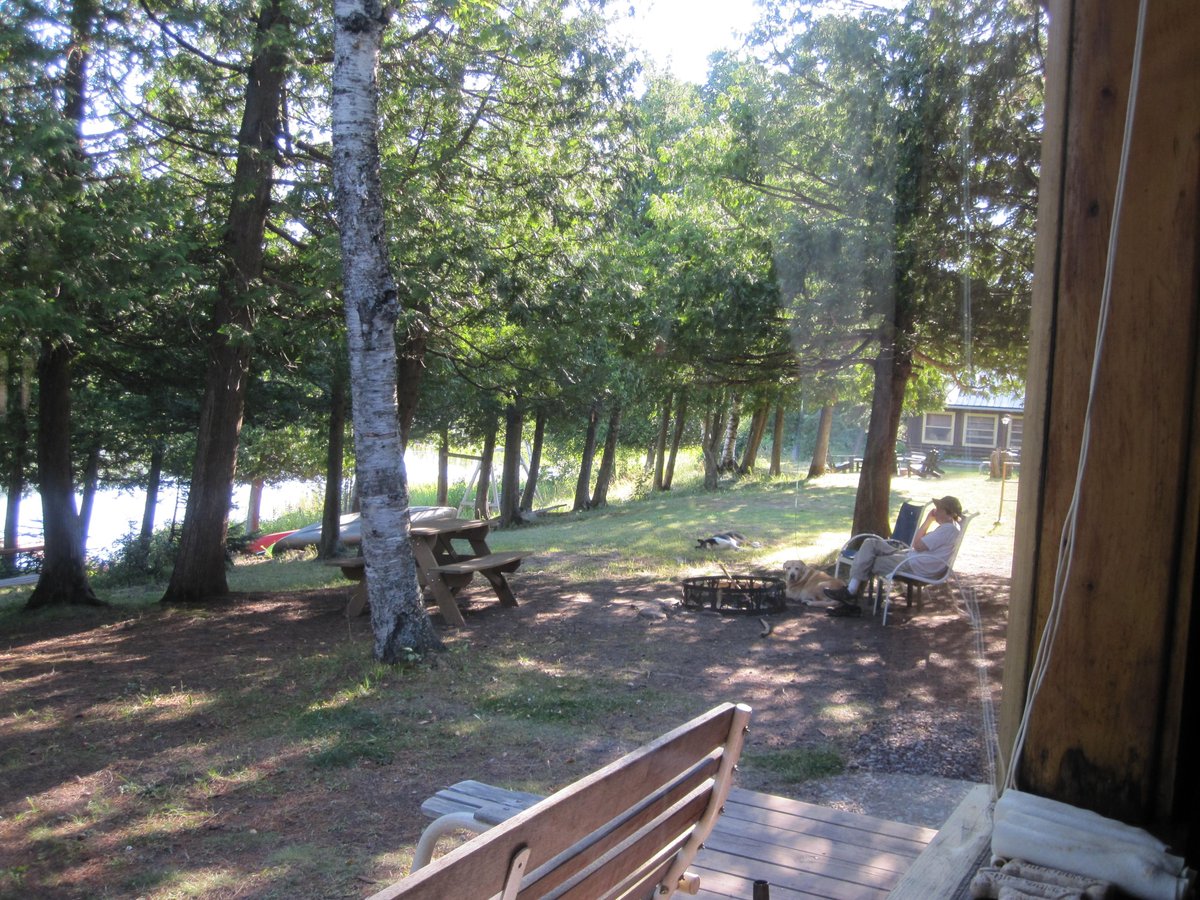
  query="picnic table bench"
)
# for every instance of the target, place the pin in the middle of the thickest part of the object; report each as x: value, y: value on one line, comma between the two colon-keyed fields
x: 443, y: 569
x: 849, y: 464
x: 630, y: 829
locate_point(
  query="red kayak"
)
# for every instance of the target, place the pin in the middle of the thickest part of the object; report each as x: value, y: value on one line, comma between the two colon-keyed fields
x: 260, y: 544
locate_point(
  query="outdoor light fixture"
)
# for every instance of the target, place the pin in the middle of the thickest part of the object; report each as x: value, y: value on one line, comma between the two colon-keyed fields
x: 1005, y: 420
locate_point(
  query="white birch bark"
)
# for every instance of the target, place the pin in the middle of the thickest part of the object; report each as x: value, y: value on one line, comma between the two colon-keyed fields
x: 398, y: 617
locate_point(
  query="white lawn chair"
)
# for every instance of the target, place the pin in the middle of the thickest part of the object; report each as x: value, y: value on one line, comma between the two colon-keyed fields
x: 906, y: 573
x: 908, y: 519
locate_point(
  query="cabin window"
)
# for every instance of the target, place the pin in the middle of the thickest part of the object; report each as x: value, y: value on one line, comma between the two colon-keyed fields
x: 1015, y: 430
x: 938, y: 428
x: 980, y: 431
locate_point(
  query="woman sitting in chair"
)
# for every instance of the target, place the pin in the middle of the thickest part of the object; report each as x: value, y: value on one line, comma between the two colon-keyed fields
x: 877, y: 557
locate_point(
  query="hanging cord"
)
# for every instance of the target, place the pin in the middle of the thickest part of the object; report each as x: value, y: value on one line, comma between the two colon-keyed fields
x: 965, y: 152
x: 1067, y: 545
x: 991, y: 738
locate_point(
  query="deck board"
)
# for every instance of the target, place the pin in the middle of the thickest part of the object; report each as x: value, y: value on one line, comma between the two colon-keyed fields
x: 804, y: 850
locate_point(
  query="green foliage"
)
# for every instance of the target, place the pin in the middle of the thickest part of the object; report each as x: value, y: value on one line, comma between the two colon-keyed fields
x: 308, y: 512
x: 559, y: 241
x: 900, y: 151
x: 131, y: 561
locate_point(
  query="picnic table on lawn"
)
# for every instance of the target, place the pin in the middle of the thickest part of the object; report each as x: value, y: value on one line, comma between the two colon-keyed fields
x: 20, y: 565
x: 444, y: 569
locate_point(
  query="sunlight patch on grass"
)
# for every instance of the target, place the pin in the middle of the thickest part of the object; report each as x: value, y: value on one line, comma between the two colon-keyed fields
x: 215, y: 782
x: 154, y: 708
x: 843, y: 714
x: 192, y: 882
x: 300, y: 870
x: 26, y: 721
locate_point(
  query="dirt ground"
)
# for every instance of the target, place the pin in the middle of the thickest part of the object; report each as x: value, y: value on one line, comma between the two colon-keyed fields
x: 99, y: 799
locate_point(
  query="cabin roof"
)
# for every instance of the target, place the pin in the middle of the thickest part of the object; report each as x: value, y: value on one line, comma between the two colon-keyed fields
x: 958, y: 399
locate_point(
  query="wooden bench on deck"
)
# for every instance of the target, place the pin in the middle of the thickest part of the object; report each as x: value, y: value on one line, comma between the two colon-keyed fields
x: 799, y: 849
x: 630, y: 829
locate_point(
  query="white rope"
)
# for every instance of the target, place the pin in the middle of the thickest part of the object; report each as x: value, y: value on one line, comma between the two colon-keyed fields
x: 1067, y: 546
x: 991, y: 738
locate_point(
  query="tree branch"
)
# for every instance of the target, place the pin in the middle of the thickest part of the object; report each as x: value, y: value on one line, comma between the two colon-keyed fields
x: 178, y: 39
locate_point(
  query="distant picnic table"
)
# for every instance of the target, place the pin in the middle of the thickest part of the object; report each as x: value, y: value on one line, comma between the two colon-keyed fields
x: 20, y: 565
x: 442, y: 568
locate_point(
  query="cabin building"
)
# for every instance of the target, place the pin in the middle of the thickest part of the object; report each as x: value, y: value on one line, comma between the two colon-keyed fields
x: 969, y: 427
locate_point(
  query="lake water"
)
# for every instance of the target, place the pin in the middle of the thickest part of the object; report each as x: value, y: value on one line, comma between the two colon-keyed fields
x: 118, y: 513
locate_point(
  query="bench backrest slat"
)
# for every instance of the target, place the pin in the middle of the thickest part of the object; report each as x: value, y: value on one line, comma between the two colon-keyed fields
x: 595, y: 833
x: 641, y: 855
x: 615, y: 834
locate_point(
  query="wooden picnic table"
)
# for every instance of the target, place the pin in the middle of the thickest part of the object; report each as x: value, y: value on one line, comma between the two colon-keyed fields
x: 444, y: 569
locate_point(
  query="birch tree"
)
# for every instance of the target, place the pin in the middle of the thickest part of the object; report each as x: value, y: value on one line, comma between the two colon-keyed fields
x: 398, y: 618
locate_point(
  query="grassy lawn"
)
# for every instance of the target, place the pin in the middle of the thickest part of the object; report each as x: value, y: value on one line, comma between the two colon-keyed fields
x: 655, y: 537
x: 790, y: 518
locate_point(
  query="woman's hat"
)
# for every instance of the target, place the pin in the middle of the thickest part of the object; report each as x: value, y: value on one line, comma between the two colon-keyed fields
x: 950, y: 505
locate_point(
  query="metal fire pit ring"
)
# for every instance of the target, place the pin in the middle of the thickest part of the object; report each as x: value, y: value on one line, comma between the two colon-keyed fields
x: 735, y: 594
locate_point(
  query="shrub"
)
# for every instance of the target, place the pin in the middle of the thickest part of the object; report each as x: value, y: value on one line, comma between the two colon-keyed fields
x: 132, y: 562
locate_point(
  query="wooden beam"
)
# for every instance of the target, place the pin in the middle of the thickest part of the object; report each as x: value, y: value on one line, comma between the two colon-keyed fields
x: 955, y: 853
x: 1106, y: 726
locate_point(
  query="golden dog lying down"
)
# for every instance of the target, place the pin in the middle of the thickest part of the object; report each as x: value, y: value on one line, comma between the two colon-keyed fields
x: 805, y: 583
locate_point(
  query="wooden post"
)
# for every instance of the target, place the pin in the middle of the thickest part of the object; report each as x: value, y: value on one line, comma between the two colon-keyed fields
x: 1107, y: 728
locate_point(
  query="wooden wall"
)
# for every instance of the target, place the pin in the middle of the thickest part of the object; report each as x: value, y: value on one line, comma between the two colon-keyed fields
x: 1110, y: 727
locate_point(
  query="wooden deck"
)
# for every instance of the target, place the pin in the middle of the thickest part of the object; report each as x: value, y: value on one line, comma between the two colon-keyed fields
x: 804, y: 850
x: 800, y: 849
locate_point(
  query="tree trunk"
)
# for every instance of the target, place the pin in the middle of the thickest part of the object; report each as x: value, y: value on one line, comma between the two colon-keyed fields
x: 398, y: 619
x: 660, y: 443
x: 608, y: 460
x: 585, y: 463
x: 728, y: 461
x: 777, y: 442
x: 820, y: 457
x: 487, y: 459
x: 758, y: 428
x: 17, y: 416
x: 153, y: 480
x: 510, y: 477
x: 254, y: 506
x: 535, y: 461
x: 64, y: 576
x: 411, y: 369
x: 91, y: 478
x: 335, y: 451
x: 199, y: 572
x: 712, y: 444
x: 64, y: 573
x: 676, y: 439
x: 443, y: 464
x: 872, y: 503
